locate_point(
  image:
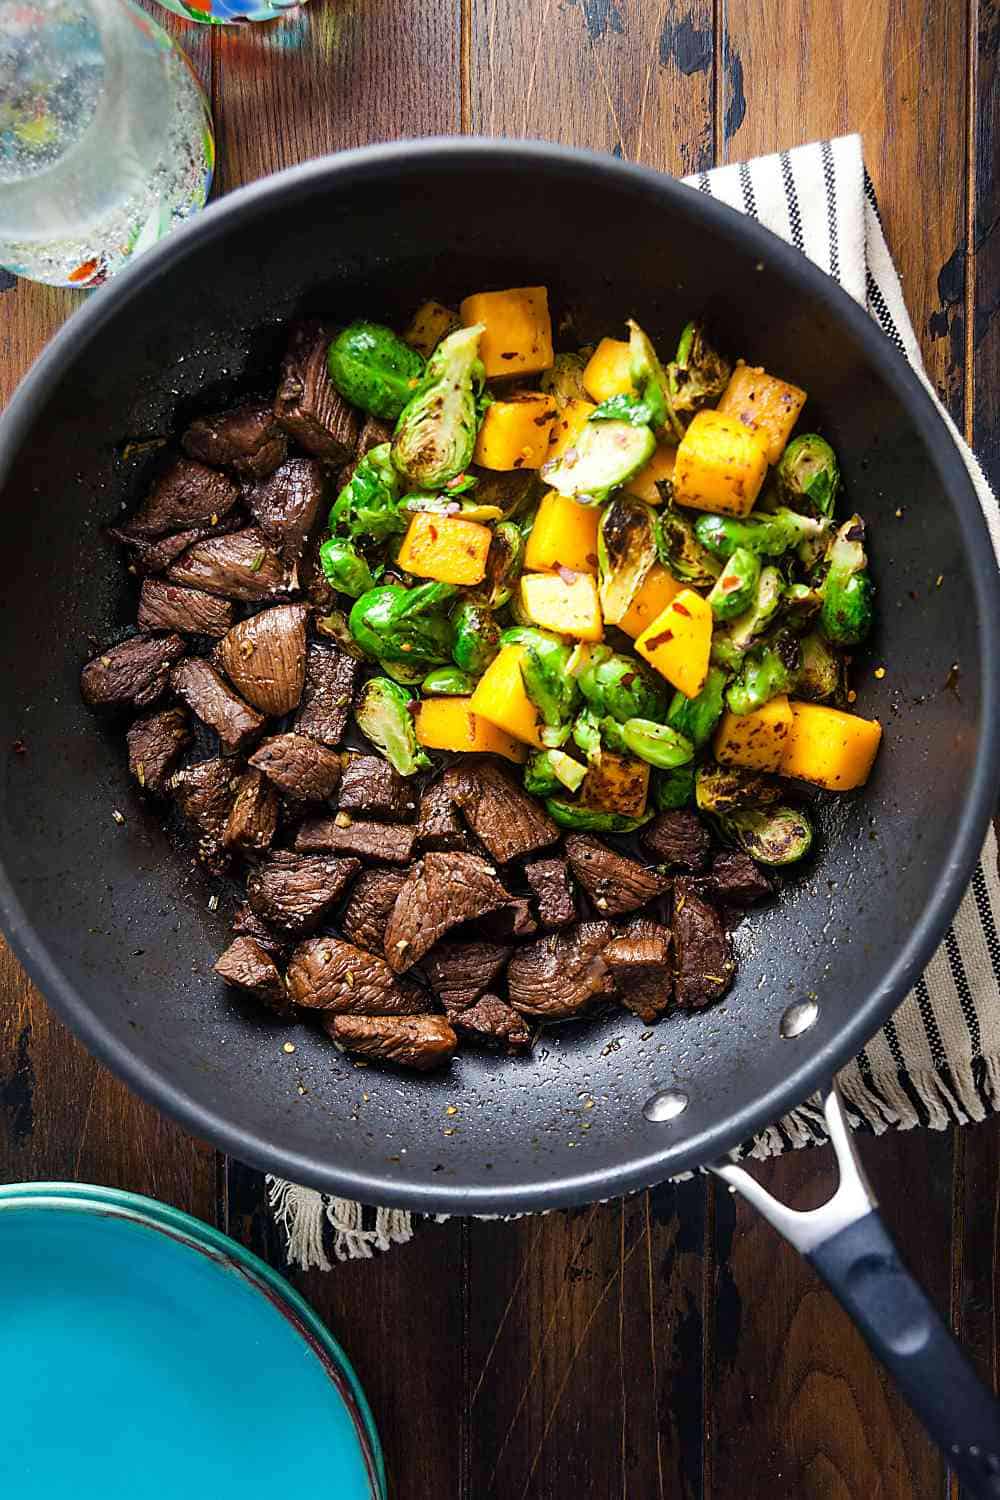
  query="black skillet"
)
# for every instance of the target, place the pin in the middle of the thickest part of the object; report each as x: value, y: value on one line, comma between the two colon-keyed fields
x: 118, y: 932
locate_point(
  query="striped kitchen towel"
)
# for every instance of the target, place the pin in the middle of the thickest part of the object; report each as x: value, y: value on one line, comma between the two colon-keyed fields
x: 937, y: 1061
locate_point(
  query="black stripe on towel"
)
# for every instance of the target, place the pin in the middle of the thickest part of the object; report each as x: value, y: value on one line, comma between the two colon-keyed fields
x: 982, y: 898
x: 884, y: 318
x: 934, y: 1042
x: 829, y: 176
x: 871, y: 195
x: 704, y: 183
x: 746, y: 188
x: 961, y: 983
x: 792, y: 199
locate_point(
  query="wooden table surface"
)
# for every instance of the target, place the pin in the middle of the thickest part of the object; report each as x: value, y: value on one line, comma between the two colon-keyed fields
x: 669, y: 1346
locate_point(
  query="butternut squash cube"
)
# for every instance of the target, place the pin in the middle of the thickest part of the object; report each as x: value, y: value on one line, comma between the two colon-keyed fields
x: 720, y: 465
x: 617, y: 784
x: 518, y: 335
x: 514, y: 434
x: 657, y: 590
x: 660, y: 466
x: 609, y: 370
x: 756, y: 741
x: 767, y: 406
x: 447, y: 548
x: 501, y: 699
x: 830, y: 748
x: 567, y: 604
x: 679, y: 641
x: 450, y: 724
x: 431, y: 321
x: 568, y: 425
x: 564, y: 535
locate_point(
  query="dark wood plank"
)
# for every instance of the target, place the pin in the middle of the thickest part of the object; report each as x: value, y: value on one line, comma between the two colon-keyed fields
x: 984, y: 347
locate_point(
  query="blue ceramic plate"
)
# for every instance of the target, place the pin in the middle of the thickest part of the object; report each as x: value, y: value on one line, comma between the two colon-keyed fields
x: 145, y: 1355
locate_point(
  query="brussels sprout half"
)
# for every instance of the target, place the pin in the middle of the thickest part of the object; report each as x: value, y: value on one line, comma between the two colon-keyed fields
x: 383, y: 715
x: 680, y: 551
x: 607, y: 453
x: 725, y: 789
x: 591, y: 819
x: 657, y: 743
x: 367, y: 507
x: 775, y: 836
x: 768, y: 670
x: 372, y: 368
x: 765, y: 535
x: 626, y: 550
x: 397, y: 624
x: 447, y: 682
x: 735, y: 587
x: 436, y: 431
x: 846, y: 614
x: 809, y: 475
x: 477, y: 636
x: 698, y: 374
x: 621, y: 686
x: 344, y: 568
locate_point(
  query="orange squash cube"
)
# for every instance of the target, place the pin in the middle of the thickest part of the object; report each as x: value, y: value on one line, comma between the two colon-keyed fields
x: 830, y: 748
x: 679, y: 642
x: 447, y: 548
x: 564, y: 535
x: 518, y: 335
x: 502, y: 699
x: 514, y: 434
x: 617, y: 784
x: 450, y: 724
x: 720, y: 465
x: 567, y: 605
x: 431, y: 321
x: 656, y: 591
x: 755, y: 741
x: 609, y: 370
x: 660, y: 466
x: 767, y: 406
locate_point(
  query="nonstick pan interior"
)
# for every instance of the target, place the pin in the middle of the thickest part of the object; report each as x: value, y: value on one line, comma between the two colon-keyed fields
x: 115, y: 925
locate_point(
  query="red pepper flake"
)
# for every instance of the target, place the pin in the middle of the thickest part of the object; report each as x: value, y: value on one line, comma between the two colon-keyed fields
x: 591, y: 558
x: 432, y: 533
x: 19, y: 747
x: 728, y: 584
x: 682, y: 610
x: 656, y: 641
x: 510, y: 354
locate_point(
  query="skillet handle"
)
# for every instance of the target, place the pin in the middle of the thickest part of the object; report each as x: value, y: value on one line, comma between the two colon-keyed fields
x: 846, y: 1241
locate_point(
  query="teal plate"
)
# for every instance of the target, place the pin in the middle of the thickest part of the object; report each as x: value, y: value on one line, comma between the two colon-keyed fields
x: 145, y: 1355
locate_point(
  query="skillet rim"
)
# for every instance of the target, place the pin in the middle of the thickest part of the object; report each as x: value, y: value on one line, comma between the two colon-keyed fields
x: 409, y: 158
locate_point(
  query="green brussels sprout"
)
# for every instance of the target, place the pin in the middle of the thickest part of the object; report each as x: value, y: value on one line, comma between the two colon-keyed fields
x: 799, y: 606
x: 592, y: 819
x: 503, y: 565
x: 621, y: 687
x: 335, y: 627
x: 383, y: 715
x: 736, y: 586
x: 696, y: 718
x: 725, y: 789
x: 680, y: 550
x: 607, y: 453
x: 477, y: 636
x: 447, y: 682
x: 821, y: 670
x: 766, y: 535
x: 771, y: 668
x: 372, y: 368
x: 397, y: 624
x: 368, y: 506
x: 587, y: 734
x: 650, y: 380
x: 409, y: 674
x: 344, y: 568
x: 732, y: 641
x: 777, y: 836
x: 673, y: 789
x: 564, y: 379
x: 809, y: 475
x: 552, y: 771
x: 657, y: 743
x: 698, y: 375
x: 612, y: 738
x: 547, y: 681
x: 845, y: 617
x: 436, y: 431
x: 448, y: 504
x: 626, y: 550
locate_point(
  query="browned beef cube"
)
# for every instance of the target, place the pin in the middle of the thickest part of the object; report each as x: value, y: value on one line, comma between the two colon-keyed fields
x: 248, y: 966
x: 737, y: 880
x: 246, y: 439
x: 286, y: 504
x: 510, y: 823
x: 154, y: 745
x: 253, y: 817
x: 186, y: 494
x: 240, y: 565
x: 385, y: 843
x: 458, y: 972
x: 550, y: 885
x: 514, y: 919
x: 301, y: 767
x: 326, y: 697
x: 246, y: 923
x: 136, y: 672
x: 439, y: 827
x: 294, y: 892
x: 204, y: 794
x: 370, y: 785
x: 213, y: 701
x: 493, y: 1020
x: 639, y: 958
x: 679, y: 839
x: 264, y: 658
x: 421, y: 1042
x: 329, y: 974
x: 614, y: 883
x: 562, y: 974
x: 150, y: 557
x: 307, y: 406
x: 703, y: 955
x: 168, y: 606
x: 367, y: 913
x: 440, y: 892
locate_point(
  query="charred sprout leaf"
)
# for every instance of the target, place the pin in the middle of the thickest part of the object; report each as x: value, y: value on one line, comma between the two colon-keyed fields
x: 766, y: 535
x: 612, y: 737
x: 725, y: 789
x: 735, y: 588
x: 732, y: 641
x: 809, y: 475
x: 546, y: 681
x: 372, y: 368
x: 624, y: 408
x: 344, y: 568
x: 657, y: 743
x: 768, y: 670
x: 448, y: 504
x: 821, y: 670
x: 335, y: 627
x: 626, y: 550
x: 404, y: 672
x: 777, y: 836
x: 447, y: 682
x: 367, y: 507
x: 604, y: 457
x: 672, y: 789
x: 846, y: 614
x: 587, y: 734
x: 551, y: 772
x: 698, y: 375
x: 436, y: 432
x: 383, y: 715
x: 477, y: 636
x: 650, y: 380
x: 565, y: 378
x: 696, y: 718
x: 396, y: 624
x: 618, y: 685
x: 800, y: 606
x: 503, y: 564
x: 590, y: 819
x: 680, y: 550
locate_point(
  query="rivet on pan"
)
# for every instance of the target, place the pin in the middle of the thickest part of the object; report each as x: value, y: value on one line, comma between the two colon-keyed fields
x: 798, y: 1018
x: 666, y: 1105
